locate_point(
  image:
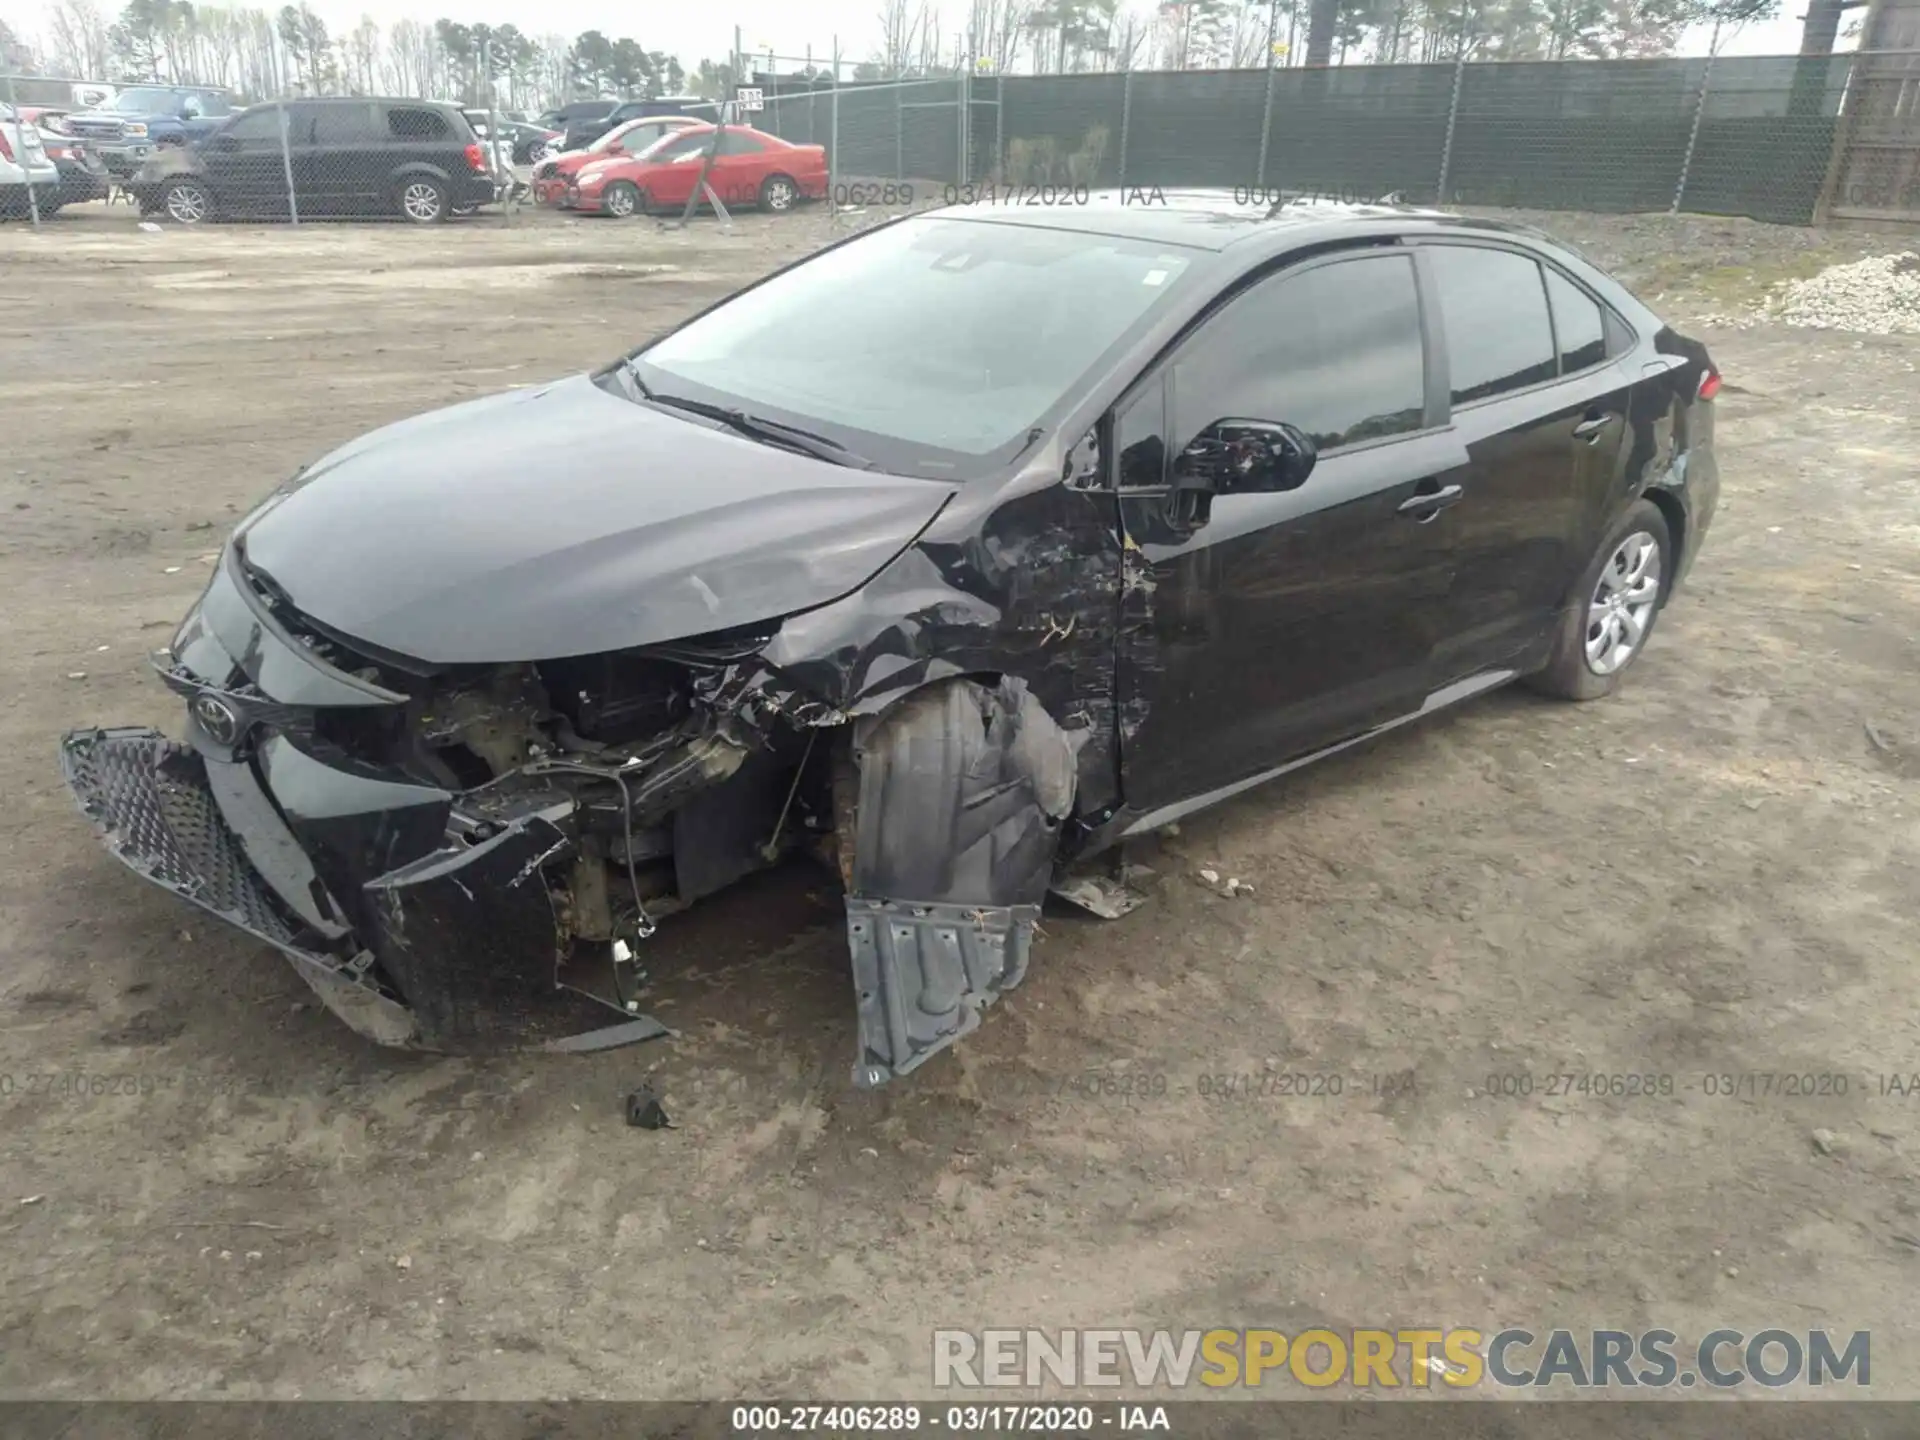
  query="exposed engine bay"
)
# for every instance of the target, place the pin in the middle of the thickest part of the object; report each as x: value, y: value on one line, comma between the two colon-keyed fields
x: 443, y: 850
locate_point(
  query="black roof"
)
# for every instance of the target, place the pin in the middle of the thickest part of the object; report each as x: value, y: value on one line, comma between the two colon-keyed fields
x: 1207, y: 219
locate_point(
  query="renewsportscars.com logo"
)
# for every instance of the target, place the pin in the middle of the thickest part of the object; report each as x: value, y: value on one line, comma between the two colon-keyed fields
x: 1458, y: 1359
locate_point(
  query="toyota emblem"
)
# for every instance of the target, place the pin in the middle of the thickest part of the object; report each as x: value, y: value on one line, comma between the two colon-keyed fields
x: 219, y: 719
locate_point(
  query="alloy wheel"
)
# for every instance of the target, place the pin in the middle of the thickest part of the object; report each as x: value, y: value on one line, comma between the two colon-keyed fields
x: 620, y: 202
x: 779, y: 195
x: 421, y: 201
x: 187, y: 204
x: 1623, y: 603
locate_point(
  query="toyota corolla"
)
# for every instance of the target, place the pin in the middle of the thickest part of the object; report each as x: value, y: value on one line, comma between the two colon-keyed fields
x: 955, y: 553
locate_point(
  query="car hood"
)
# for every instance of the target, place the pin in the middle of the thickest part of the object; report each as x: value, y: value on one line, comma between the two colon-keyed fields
x: 567, y: 520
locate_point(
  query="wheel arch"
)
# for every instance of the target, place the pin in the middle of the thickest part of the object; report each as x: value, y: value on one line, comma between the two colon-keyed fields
x: 1675, y: 514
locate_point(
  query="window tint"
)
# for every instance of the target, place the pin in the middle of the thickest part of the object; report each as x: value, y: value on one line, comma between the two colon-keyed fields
x: 409, y: 124
x: 1495, y: 314
x: 740, y: 142
x: 345, y: 124
x: 261, y: 124
x: 1577, y: 324
x: 1335, y: 350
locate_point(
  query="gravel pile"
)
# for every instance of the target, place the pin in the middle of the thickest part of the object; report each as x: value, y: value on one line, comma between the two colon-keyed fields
x: 1877, y: 296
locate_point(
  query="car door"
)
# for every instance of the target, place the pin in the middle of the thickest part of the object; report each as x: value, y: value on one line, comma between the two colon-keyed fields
x: 743, y: 162
x: 672, y: 173
x: 346, y: 160
x: 1262, y: 627
x: 1541, y: 412
x: 245, y: 165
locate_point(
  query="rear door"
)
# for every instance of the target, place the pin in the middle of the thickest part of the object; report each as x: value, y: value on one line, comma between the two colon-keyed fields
x: 1263, y: 627
x: 1541, y: 411
x: 348, y: 155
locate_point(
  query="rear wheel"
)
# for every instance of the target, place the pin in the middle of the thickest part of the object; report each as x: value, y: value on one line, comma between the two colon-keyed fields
x: 186, y: 202
x: 1611, y: 613
x: 621, y: 200
x: 423, y: 200
x: 778, y: 193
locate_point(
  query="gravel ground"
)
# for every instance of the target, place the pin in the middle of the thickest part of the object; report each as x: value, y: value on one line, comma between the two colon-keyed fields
x: 1716, y: 872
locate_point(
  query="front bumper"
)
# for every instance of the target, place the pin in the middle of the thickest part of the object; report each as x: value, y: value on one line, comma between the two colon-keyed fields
x: 152, y: 804
x: 123, y: 159
x: 414, y: 930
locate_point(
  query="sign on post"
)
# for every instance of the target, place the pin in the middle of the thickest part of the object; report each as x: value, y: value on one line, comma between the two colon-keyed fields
x: 749, y: 99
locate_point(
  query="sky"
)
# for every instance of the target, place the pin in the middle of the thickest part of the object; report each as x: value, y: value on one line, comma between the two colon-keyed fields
x: 789, y: 27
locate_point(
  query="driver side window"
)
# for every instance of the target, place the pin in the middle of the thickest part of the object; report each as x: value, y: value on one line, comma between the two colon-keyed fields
x: 1335, y: 349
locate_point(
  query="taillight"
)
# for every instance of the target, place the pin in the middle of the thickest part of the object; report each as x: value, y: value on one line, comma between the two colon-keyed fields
x: 477, y: 159
x: 6, y: 147
x: 1709, y: 384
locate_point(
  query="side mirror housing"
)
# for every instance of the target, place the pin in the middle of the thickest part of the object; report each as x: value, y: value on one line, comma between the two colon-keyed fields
x: 1246, y: 457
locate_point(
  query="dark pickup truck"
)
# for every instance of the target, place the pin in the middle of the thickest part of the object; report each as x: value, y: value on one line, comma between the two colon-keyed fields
x: 126, y: 131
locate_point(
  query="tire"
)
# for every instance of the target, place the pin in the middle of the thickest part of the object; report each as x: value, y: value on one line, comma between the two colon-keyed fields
x: 422, y: 200
x: 778, y: 194
x: 186, y: 202
x: 622, y: 200
x: 1596, y: 641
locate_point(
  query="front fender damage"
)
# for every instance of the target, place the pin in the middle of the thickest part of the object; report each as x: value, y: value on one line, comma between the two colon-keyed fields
x: 960, y: 791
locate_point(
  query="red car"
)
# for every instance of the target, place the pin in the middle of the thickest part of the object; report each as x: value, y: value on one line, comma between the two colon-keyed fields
x: 751, y: 168
x: 551, y: 178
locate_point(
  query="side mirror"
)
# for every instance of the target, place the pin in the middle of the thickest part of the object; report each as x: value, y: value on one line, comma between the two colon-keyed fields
x: 1244, y: 457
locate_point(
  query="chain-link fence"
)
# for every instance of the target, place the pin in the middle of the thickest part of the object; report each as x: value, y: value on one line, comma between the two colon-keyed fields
x: 1778, y: 138
x: 1763, y: 137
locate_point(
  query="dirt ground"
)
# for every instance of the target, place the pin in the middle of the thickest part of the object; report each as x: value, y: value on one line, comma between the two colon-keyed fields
x: 1716, y: 872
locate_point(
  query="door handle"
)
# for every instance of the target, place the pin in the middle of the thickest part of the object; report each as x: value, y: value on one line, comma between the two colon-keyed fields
x: 1429, y: 504
x: 1590, y: 428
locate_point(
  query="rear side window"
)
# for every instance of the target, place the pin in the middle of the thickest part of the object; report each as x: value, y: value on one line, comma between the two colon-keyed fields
x: 741, y: 142
x: 1335, y: 350
x: 346, y: 124
x: 1494, y: 309
x: 1578, y: 325
x: 406, y: 123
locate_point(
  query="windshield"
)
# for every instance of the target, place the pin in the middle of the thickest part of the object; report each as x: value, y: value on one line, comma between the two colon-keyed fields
x: 933, y: 346
x: 145, y: 102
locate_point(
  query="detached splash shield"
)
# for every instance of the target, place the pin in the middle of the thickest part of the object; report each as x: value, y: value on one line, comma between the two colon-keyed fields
x: 961, y: 791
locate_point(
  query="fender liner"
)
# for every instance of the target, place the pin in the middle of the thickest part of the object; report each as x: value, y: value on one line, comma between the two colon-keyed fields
x: 960, y: 793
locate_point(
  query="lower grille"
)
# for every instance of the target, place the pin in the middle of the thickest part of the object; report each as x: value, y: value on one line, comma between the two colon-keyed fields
x: 150, y: 801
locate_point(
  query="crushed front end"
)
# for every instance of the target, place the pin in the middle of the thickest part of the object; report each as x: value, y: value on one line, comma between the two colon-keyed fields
x: 452, y: 856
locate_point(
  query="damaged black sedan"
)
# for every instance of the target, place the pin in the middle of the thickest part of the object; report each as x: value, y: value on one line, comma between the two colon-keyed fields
x: 955, y: 554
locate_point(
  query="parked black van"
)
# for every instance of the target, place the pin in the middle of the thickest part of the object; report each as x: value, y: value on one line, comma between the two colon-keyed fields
x: 417, y: 159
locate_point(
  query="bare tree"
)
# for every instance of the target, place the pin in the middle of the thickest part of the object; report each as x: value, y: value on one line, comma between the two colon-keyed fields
x: 994, y: 31
x: 903, y: 25
x: 80, y: 39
